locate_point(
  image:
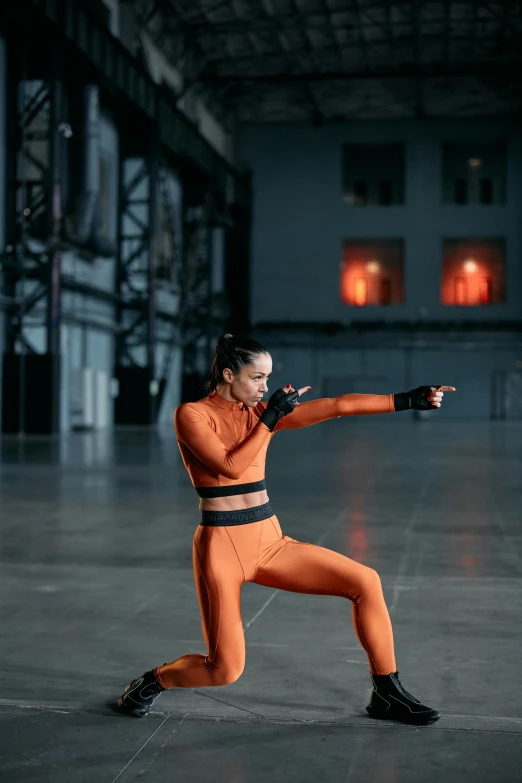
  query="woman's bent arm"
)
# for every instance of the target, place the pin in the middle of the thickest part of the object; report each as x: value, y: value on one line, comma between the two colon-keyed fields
x: 193, y: 428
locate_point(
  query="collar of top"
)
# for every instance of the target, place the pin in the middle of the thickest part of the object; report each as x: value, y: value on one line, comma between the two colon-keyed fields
x: 229, y: 405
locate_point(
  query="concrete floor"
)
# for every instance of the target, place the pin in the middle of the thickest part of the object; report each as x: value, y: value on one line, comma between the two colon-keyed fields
x: 97, y: 586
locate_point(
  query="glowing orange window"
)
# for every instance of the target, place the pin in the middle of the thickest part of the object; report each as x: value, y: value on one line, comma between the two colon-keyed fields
x: 360, y: 292
x: 486, y: 290
x: 461, y: 291
x: 473, y: 272
x: 372, y: 272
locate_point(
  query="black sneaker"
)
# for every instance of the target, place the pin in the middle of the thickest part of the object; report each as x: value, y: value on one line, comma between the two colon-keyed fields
x: 138, y: 697
x: 390, y: 701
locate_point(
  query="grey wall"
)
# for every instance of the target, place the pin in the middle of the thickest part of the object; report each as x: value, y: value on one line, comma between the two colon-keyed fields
x: 300, y: 219
x: 300, y: 222
x: 332, y: 369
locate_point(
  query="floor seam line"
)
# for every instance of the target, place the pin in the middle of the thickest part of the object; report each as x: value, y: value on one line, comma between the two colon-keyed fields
x: 127, y: 765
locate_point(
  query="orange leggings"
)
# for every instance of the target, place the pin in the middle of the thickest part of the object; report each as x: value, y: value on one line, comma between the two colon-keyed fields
x: 225, y: 557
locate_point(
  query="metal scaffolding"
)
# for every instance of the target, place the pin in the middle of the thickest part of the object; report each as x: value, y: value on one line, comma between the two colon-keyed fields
x: 71, y: 52
x: 32, y: 260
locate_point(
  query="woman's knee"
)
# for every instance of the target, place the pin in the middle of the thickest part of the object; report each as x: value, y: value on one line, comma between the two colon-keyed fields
x: 225, y: 675
x: 369, y: 580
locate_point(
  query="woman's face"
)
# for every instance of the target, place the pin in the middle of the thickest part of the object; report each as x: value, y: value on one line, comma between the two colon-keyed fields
x: 252, y: 382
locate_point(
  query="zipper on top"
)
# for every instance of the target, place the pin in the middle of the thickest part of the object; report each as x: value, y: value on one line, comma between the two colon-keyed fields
x: 234, y: 422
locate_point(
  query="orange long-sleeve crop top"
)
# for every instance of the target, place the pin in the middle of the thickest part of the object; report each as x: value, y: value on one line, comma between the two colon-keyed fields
x: 223, y: 444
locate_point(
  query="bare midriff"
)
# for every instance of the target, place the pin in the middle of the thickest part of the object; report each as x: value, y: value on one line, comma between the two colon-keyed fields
x: 235, y: 502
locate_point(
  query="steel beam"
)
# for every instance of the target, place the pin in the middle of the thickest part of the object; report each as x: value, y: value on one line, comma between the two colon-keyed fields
x: 34, y: 214
x: 496, y: 69
x: 54, y: 232
x: 92, y: 47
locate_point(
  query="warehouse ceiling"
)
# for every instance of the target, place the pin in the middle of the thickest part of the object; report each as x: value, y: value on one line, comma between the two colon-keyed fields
x: 332, y: 60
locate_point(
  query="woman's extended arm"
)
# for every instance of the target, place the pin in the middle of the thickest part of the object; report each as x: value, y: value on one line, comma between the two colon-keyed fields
x: 313, y: 412
x: 193, y: 428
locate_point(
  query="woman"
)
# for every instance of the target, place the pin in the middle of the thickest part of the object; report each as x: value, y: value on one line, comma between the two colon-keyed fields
x: 223, y: 439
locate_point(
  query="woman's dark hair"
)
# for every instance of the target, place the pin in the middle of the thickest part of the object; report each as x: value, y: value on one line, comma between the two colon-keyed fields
x: 234, y: 352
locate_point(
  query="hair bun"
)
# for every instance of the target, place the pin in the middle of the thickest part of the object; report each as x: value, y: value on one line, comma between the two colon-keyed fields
x: 223, y: 343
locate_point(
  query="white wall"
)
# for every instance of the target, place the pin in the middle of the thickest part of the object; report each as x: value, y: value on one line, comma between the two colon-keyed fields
x: 300, y: 218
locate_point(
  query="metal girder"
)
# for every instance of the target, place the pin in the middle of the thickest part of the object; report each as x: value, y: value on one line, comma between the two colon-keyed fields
x: 195, y: 310
x: 41, y: 114
x: 142, y: 264
x: 150, y: 257
x: 315, y: 19
x: 259, y: 61
x: 135, y: 284
x: 135, y: 281
x: 406, y: 71
x: 203, y: 314
x: 34, y: 215
x: 31, y: 186
x: 125, y: 77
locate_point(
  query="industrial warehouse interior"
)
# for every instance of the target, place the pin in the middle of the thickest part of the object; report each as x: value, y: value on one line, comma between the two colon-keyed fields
x: 221, y: 219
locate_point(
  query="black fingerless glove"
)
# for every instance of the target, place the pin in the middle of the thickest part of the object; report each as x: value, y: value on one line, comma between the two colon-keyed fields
x: 417, y: 399
x: 279, y: 404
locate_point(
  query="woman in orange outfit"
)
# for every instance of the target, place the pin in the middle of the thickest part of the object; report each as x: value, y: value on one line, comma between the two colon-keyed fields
x: 223, y: 439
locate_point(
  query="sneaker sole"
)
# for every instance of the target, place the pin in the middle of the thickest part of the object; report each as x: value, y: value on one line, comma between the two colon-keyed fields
x: 415, y: 719
x: 136, y: 712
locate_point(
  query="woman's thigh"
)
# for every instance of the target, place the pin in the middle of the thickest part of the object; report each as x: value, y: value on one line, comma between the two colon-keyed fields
x: 218, y: 577
x: 308, y: 568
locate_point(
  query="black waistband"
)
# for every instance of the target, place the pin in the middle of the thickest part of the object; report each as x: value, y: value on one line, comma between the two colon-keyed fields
x: 241, y: 517
x: 233, y: 489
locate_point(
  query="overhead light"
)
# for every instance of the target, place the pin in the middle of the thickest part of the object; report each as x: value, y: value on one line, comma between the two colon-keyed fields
x: 470, y: 266
x: 475, y: 163
x: 373, y: 266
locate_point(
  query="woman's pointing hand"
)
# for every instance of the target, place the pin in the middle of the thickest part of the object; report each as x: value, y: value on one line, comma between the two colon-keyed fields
x: 289, y: 389
x: 281, y: 403
x: 438, y: 393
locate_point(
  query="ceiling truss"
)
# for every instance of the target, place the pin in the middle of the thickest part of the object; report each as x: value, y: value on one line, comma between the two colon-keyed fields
x: 332, y: 60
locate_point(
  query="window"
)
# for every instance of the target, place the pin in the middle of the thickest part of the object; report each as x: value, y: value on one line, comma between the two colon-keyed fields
x: 373, y: 175
x: 473, y: 173
x: 372, y: 272
x: 473, y: 272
